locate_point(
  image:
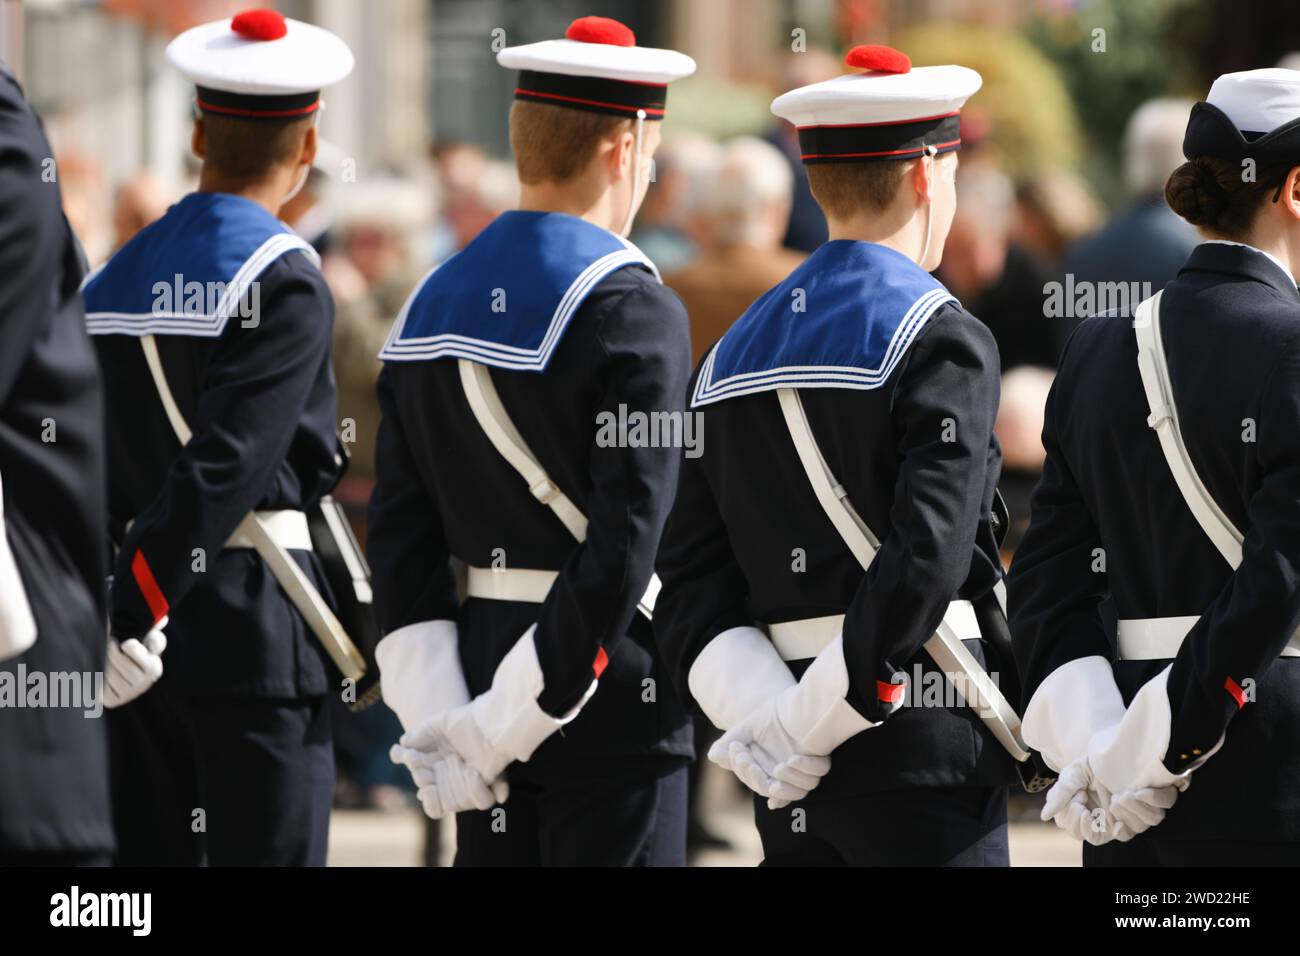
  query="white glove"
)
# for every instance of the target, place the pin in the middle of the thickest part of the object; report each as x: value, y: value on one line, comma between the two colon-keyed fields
x: 501, y: 725
x: 789, y: 742
x: 445, y: 785
x: 1127, y: 759
x: 133, y: 666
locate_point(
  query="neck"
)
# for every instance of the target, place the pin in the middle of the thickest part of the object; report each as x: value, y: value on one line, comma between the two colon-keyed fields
x: 573, y: 199
x: 902, y: 231
x: 1276, y: 242
x: 268, y: 191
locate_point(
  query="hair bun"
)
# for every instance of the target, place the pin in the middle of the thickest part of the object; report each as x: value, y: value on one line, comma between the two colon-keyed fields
x: 1195, y: 194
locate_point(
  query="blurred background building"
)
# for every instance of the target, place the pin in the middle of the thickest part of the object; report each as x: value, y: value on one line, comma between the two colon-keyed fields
x: 1066, y: 150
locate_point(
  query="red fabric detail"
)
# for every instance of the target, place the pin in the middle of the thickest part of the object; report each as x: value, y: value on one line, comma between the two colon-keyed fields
x: 888, y: 152
x: 148, y: 586
x: 890, y: 693
x: 600, y: 30
x: 261, y: 24
x: 629, y: 110
x: 231, y: 111
x: 1233, y: 688
x: 601, y: 662
x: 878, y: 59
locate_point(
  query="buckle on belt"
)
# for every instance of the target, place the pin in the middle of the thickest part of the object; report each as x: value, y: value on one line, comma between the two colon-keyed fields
x: 1034, y: 776
x: 544, y: 490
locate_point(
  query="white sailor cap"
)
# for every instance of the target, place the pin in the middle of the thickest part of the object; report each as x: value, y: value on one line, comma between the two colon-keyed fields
x: 260, y: 65
x: 597, y: 68
x: 1252, y: 114
x: 887, y: 111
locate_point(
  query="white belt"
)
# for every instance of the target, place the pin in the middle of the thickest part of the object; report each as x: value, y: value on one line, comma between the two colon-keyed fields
x: 1158, y: 638
x: 801, y: 640
x: 511, y: 584
x: 288, y: 529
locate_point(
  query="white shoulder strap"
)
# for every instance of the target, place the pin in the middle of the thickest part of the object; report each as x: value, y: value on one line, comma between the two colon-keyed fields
x: 17, y: 625
x: 945, y: 647
x: 1154, y: 369
x: 496, y: 423
x: 301, y: 592
x: 485, y: 402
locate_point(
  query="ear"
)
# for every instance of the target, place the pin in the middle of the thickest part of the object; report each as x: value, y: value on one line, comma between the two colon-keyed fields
x: 1291, y: 193
x: 198, y: 139
x: 620, y: 155
x: 923, y: 173
x: 309, y: 143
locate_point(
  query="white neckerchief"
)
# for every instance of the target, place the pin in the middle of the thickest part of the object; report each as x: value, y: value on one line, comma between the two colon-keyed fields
x: 1245, y: 245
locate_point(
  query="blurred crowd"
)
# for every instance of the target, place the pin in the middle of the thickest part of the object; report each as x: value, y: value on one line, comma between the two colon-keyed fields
x: 724, y: 220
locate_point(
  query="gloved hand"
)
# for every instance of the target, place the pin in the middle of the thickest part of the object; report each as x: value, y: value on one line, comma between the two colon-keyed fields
x: 133, y: 666
x: 1080, y: 805
x: 445, y: 785
x: 501, y: 725
x: 785, y: 744
x: 761, y: 752
x: 1127, y: 758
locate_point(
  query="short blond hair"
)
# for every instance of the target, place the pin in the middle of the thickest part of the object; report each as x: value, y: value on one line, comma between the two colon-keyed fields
x: 845, y: 190
x: 555, y: 143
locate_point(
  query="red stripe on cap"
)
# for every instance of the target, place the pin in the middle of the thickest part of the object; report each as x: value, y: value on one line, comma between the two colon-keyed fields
x: 630, y: 110
x: 1233, y: 688
x: 890, y: 693
x: 920, y: 151
x: 601, y: 662
x: 148, y: 586
x: 902, y: 122
x: 231, y: 111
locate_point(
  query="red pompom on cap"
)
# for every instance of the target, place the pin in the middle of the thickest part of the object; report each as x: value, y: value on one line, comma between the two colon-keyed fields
x: 878, y: 59
x: 261, y: 24
x: 600, y: 30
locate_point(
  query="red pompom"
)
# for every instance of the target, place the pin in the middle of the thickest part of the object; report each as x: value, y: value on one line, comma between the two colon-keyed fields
x: 260, y: 24
x: 878, y: 59
x: 600, y: 30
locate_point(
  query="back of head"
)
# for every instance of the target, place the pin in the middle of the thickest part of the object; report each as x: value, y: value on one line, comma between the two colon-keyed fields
x: 554, y: 144
x: 246, y: 150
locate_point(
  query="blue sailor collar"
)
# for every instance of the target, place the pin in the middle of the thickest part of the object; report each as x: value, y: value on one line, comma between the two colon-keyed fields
x: 506, y: 298
x: 843, y: 319
x: 188, y: 273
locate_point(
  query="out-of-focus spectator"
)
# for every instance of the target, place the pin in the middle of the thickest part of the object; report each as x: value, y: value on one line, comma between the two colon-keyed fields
x: 137, y: 202
x: 1147, y: 242
x: 1019, y: 429
x: 474, y: 191
x: 746, y: 208
x: 669, y: 227
x: 998, y: 280
x: 310, y: 212
x: 806, y: 229
x: 371, y: 271
x: 1055, y: 210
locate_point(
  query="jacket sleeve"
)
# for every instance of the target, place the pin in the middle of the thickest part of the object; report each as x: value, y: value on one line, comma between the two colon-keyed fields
x: 704, y: 589
x: 1240, y: 636
x: 255, y: 391
x: 1058, y: 579
x: 405, y: 543
x: 944, y: 406
x: 645, y: 341
x: 31, y: 234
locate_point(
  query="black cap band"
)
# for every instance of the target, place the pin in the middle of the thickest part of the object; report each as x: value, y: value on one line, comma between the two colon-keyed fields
x: 1211, y: 133
x: 253, y: 106
x: 593, y: 94
x: 879, y: 141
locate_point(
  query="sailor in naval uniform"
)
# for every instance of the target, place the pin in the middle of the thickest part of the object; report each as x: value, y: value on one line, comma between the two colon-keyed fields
x: 213, y: 330
x: 504, y: 379
x: 54, y: 806
x: 1172, y: 489
x: 848, y: 420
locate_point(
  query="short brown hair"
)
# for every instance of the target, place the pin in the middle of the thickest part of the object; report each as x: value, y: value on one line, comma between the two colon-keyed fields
x: 844, y: 190
x: 555, y: 143
x: 249, y: 148
x: 1212, y: 192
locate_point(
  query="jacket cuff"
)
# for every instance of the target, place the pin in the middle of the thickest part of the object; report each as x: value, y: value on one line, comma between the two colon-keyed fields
x: 1074, y: 702
x: 736, y: 672
x: 815, y: 712
x: 419, y: 671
